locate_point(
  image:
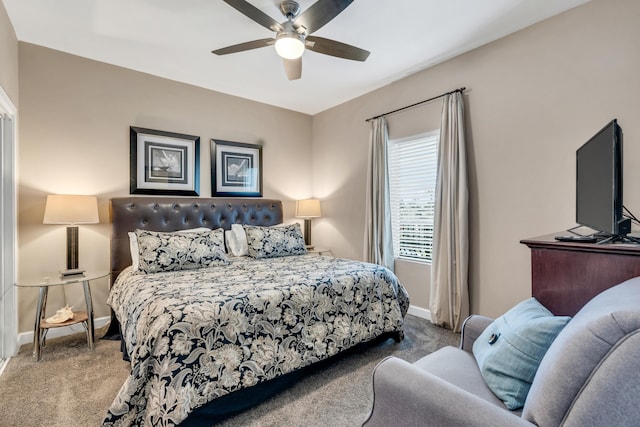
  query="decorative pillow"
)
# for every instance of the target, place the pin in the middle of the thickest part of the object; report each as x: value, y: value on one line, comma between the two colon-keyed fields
x: 509, y: 351
x: 271, y: 242
x: 133, y: 244
x: 240, y: 239
x: 229, y: 241
x: 180, y: 251
x: 236, y: 240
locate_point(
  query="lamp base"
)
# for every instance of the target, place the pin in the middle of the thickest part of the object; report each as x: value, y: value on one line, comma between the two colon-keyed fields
x: 307, y: 232
x: 72, y: 248
x: 72, y: 272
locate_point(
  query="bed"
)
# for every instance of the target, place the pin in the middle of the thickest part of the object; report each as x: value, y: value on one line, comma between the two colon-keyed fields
x: 195, y: 336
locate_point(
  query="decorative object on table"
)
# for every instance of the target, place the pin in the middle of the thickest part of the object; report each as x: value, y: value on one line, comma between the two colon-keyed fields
x: 164, y: 162
x: 62, y: 315
x: 307, y: 209
x: 72, y: 210
x: 236, y: 169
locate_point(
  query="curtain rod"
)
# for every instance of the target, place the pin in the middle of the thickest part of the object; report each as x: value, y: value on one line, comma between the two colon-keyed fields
x: 417, y: 103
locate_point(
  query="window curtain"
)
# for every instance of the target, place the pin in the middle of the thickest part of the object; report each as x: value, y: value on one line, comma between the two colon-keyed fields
x: 378, y: 244
x: 449, y: 293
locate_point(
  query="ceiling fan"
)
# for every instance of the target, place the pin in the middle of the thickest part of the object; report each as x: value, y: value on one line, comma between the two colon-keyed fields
x: 293, y: 35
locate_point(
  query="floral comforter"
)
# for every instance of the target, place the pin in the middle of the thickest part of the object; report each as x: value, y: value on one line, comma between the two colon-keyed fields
x: 196, y: 335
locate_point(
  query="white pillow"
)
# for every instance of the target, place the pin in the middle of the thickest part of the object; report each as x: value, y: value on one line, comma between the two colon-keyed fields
x: 237, y: 240
x: 240, y: 240
x: 135, y: 251
x: 133, y: 248
x: 230, y: 241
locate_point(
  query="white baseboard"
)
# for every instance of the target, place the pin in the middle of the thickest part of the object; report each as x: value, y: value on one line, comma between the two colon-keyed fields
x: 3, y: 364
x: 27, y: 337
x: 419, y: 312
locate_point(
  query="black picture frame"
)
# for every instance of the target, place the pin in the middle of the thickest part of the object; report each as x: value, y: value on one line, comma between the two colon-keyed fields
x: 236, y: 169
x: 164, y: 163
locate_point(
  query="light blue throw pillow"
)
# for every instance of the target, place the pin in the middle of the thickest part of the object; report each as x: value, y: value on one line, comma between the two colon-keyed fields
x: 509, y: 351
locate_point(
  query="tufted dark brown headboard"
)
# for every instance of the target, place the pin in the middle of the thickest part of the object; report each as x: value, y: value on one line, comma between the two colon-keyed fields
x: 178, y: 213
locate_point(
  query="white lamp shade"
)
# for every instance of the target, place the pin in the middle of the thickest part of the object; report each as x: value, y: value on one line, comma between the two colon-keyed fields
x: 289, y: 46
x: 69, y: 209
x: 309, y: 208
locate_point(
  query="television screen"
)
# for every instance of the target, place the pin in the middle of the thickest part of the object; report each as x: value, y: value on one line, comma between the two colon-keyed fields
x: 599, y: 182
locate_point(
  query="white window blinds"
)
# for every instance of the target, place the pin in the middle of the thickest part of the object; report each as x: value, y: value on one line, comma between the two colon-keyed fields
x: 412, y: 181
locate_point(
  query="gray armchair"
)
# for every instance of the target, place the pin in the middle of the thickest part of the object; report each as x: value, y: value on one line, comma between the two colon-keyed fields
x: 590, y: 376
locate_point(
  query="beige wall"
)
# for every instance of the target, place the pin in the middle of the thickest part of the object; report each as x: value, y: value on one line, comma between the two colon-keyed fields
x: 532, y: 99
x: 75, y: 117
x: 8, y: 57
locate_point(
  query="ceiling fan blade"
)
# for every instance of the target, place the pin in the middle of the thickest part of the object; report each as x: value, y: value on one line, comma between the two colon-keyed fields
x: 334, y: 48
x: 320, y: 13
x: 241, y: 47
x: 252, y: 12
x: 293, y: 68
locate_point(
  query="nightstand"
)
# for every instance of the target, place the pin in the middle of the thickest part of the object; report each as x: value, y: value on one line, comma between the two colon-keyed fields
x: 320, y: 251
x: 85, y: 317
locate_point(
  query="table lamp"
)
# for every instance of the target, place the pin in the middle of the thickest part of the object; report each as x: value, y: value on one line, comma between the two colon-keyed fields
x: 72, y: 210
x: 307, y: 209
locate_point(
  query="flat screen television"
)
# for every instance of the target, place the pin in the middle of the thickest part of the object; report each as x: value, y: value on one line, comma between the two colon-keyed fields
x: 599, y: 183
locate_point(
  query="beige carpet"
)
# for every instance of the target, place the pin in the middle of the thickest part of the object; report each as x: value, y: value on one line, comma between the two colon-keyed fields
x: 74, y: 386
x: 70, y: 386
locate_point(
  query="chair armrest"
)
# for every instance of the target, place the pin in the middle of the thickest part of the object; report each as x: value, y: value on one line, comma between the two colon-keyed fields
x: 472, y: 327
x: 405, y: 395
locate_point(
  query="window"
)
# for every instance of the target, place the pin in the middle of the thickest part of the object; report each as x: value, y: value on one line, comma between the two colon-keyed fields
x: 412, y: 182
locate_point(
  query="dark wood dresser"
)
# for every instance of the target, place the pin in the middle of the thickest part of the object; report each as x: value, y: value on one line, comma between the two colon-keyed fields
x: 566, y: 275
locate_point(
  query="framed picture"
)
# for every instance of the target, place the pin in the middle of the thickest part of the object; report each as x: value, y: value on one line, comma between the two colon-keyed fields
x: 236, y: 169
x: 164, y: 162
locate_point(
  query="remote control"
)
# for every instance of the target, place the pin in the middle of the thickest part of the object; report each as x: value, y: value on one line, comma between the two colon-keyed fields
x: 577, y: 239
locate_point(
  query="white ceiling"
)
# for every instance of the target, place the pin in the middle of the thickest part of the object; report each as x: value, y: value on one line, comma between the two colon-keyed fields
x: 174, y: 39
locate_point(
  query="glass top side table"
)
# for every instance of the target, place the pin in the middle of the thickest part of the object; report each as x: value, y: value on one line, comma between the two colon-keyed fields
x: 41, y: 326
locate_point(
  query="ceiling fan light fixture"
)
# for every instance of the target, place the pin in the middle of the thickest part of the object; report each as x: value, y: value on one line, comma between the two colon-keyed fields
x: 289, y: 45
